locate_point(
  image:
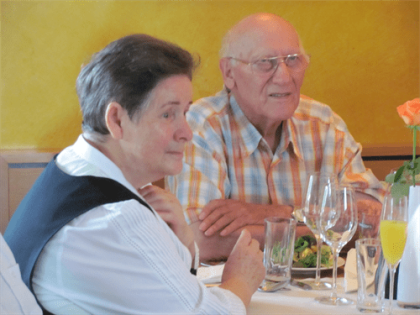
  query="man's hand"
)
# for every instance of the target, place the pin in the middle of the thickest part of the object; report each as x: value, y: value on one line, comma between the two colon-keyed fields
x: 168, y: 207
x: 230, y: 215
x: 369, y: 213
x: 244, y: 269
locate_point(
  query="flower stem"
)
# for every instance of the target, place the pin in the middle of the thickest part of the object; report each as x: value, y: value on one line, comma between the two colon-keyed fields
x: 414, y: 154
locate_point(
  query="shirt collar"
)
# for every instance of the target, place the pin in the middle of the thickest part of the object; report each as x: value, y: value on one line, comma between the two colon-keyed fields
x: 251, y: 137
x: 95, y: 157
x: 290, y: 138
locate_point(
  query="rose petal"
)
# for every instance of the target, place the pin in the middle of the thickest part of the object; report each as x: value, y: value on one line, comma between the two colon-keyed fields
x: 410, y: 112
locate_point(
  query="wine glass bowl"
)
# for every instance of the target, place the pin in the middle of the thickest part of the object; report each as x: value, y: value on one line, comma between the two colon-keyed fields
x: 338, y: 224
x: 310, y: 212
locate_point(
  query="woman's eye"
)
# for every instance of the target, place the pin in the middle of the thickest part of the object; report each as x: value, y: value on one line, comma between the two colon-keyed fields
x: 165, y: 115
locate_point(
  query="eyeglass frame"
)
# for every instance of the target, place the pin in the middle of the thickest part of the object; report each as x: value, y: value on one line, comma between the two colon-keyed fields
x: 283, y: 59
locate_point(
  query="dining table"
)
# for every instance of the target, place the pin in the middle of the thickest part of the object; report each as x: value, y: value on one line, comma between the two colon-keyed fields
x: 298, y: 301
x: 295, y: 300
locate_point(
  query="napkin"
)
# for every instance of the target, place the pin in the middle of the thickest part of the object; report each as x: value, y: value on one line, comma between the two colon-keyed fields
x: 350, y: 272
x: 211, y: 274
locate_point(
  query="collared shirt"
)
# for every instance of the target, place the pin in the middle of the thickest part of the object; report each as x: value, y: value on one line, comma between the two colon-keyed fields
x: 15, y: 297
x: 229, y: 159
x: 120, y: 258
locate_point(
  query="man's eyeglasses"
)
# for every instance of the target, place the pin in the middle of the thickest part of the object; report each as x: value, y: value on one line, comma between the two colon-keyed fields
x: 295, y: 62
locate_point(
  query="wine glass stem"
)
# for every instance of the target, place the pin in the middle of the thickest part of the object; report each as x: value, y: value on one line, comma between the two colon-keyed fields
x: 391, y: 286
x: 318, y: 259
x: 334, y: 285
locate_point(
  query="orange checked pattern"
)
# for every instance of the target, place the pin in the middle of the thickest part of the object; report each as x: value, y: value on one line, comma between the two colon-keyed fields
x: 228, y: 158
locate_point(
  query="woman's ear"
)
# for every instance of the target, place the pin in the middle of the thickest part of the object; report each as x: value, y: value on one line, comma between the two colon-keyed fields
x: 226, y: 68
x: 113, y: 119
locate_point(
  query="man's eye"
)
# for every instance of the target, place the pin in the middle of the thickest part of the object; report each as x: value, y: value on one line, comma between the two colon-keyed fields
x: 264, y: 64
x: 292, y: 60
x: 292, y: 57
x: 165, y: 115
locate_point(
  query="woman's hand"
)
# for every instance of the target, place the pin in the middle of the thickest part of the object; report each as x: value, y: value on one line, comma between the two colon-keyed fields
x: 244, y: 270
x: 170, y: 210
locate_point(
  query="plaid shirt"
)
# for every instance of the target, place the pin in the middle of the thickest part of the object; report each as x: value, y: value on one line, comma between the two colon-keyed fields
x: 229, y: 159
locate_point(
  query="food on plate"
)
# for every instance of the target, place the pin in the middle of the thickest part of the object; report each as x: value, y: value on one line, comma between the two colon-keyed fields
x: 305, y: 253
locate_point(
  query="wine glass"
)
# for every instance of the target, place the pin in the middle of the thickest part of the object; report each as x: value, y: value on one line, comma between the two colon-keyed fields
x: 393, y: 235
x: 338, y: 224
x: 310, y: 212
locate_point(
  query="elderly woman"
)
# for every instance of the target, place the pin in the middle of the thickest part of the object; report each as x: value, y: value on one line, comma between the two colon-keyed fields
x: 92, y: 236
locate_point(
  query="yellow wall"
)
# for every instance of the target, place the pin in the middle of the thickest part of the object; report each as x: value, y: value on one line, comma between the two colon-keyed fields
x: 365, y: 57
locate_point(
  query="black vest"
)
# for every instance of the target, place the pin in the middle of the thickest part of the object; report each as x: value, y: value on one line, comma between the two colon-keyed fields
x: 55, y: 199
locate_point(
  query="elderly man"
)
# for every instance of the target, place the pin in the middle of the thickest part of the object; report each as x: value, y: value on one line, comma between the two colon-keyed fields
x: 256, y: 141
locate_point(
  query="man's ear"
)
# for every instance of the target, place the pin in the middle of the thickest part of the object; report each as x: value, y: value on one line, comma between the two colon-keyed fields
x: 113, y: 119
x: 226, y: 68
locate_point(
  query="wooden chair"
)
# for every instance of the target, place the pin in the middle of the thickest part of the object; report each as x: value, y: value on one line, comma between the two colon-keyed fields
x: 20, y: 168
x: 18, y: 171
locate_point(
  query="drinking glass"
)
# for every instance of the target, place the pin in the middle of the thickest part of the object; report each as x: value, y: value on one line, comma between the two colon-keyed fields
x: 338, y: 224
x: 370, y: 293
x: 310, y: 212
x: 278, y: 250
x: 392, y: 231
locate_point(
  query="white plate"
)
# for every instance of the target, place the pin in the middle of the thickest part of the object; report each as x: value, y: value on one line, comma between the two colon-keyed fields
x: 340, y: 262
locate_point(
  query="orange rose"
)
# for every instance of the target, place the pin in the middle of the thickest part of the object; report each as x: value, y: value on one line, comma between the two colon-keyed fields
x: 410, y: 112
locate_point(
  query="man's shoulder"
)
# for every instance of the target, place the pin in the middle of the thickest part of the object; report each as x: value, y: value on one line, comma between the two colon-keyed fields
x: 211, y: 104
x: 207, y: 108
x: 312, y: 110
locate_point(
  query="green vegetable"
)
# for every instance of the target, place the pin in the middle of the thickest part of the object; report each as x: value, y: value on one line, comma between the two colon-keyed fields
x: 305, y: 253
x: 309, y: 260
x: 304, y: 242
x: 278, y: 254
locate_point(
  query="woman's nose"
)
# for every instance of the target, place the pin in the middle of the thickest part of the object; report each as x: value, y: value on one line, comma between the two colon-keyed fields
x: 185, y: 132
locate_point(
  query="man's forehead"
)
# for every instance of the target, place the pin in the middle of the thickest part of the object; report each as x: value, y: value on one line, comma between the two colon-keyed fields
x: 265, y: 41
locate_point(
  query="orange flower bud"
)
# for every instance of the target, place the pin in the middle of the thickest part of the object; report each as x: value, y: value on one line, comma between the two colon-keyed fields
x: 410, y: 112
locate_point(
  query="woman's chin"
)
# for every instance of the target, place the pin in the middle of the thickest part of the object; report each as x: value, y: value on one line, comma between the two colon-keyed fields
x: 173, y: 169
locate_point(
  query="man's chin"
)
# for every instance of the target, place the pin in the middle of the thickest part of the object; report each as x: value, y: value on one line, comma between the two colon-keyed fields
x: 284, y: 110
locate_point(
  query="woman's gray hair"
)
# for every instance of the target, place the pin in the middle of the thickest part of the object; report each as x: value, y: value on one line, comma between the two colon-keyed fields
x: 126, y: 71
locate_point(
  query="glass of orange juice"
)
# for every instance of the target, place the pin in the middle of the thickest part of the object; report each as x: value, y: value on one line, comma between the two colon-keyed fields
x: 393, y: 234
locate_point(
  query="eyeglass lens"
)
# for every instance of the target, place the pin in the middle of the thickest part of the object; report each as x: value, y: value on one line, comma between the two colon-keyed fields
x: 293, y: 62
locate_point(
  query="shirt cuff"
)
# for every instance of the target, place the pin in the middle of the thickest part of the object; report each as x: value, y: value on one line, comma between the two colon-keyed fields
x: 196, y: 260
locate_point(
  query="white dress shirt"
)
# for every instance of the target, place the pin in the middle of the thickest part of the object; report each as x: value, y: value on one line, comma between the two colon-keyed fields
x: 15, y: 297
x: 120, y: 258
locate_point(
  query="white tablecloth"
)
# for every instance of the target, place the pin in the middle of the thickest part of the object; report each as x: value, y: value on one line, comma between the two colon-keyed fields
x: 298, y: 301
